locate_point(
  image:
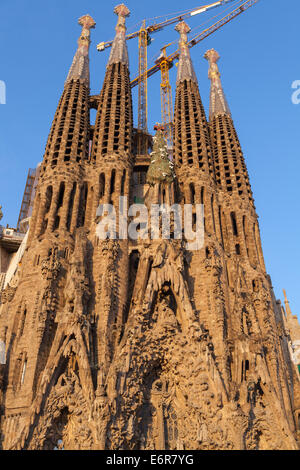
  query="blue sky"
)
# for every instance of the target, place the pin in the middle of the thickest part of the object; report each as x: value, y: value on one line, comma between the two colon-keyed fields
x: 259, y: 62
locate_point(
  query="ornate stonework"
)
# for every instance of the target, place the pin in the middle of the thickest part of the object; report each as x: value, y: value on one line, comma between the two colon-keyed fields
x: 143, y: 344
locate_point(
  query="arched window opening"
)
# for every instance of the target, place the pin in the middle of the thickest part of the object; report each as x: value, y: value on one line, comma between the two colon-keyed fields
x: 70, y: 206
x: 220, y: 225
x: 48, y: 200
x: 113, y: 182
x: 59, y: 205
x: 204, y: 209
x: 82, y: 205
x: 234, y: 224
x: 134, y: 261
x: 101, y: 185
x: 192, y: 193
x: 123, y: 183
x: 245, y: 370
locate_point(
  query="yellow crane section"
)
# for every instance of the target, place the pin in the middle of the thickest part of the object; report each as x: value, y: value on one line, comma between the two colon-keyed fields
x: 164, y: 63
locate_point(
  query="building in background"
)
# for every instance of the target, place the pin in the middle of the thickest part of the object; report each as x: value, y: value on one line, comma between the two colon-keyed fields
x: 13, y: 240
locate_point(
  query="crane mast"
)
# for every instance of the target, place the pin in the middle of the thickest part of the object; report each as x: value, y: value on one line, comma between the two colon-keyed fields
x: 143, y: 95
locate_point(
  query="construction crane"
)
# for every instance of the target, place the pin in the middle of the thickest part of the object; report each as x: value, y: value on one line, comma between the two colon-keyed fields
x: 144, y: 40
x: 164, y: 63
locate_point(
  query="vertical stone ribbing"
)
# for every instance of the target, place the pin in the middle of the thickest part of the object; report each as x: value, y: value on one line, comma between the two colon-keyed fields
x: 114, y: 120
x: 230, y: 169
x: 69, y: 136
x: 241, y: 237
x: 67, y: 146
x: 191, y: 134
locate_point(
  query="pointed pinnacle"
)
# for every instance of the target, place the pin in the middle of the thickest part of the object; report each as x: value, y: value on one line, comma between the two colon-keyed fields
x: 185, y: 65
x: 287, y: 305
x: 122, y: 10
x: 80, y: 66
x: 212, y: 55
x: 218, y: 103
x: 119, y: 51
x: 87, y: 22
x: 183, y: 29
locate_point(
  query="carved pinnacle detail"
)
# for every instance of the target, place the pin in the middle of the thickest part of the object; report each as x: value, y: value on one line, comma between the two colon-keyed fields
x: 218, y: 103
x: 185, y: 66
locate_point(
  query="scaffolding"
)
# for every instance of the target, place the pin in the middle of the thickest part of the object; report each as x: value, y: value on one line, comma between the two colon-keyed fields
x: 27, y: 200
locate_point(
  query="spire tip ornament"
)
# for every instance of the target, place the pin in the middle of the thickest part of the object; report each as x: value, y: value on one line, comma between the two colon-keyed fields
x: 218, y: 103
x: 119, y: 51
x: 80, y: 67
x: 122, y: 10
x: 185, y: 66
x: 87, y: 22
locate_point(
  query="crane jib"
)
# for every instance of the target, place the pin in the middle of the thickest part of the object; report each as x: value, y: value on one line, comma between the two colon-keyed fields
x: 209, y: 7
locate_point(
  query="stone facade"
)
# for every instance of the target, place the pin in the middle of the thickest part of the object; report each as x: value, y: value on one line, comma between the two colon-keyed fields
x: 141, y: 344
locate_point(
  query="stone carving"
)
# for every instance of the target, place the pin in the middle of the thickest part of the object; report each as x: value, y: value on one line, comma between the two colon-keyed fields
x: 141, y: 344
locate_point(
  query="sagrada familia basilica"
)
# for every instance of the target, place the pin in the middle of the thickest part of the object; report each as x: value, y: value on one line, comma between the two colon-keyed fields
x: 142, y: 344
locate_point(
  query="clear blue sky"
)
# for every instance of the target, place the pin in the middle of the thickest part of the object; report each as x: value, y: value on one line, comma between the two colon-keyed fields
x: 259, y: 61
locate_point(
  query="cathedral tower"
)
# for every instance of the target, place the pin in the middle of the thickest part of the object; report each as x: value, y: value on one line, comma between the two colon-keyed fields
x: 143, y: 342
x: 36, y: 312
x: 194, y: 167
x: 110, y: 170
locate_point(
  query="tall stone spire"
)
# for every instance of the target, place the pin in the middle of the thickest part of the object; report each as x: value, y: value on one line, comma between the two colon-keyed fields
x: 111, y: 156
x: 66, y: 151
x: 191, y: 134
x: 218, y: 103
x: 141, y: 342
x: 114, y: 121
x: 185, y: 67
x: 80, y: 66
x: 119, y: 51
x: 230, y: 168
